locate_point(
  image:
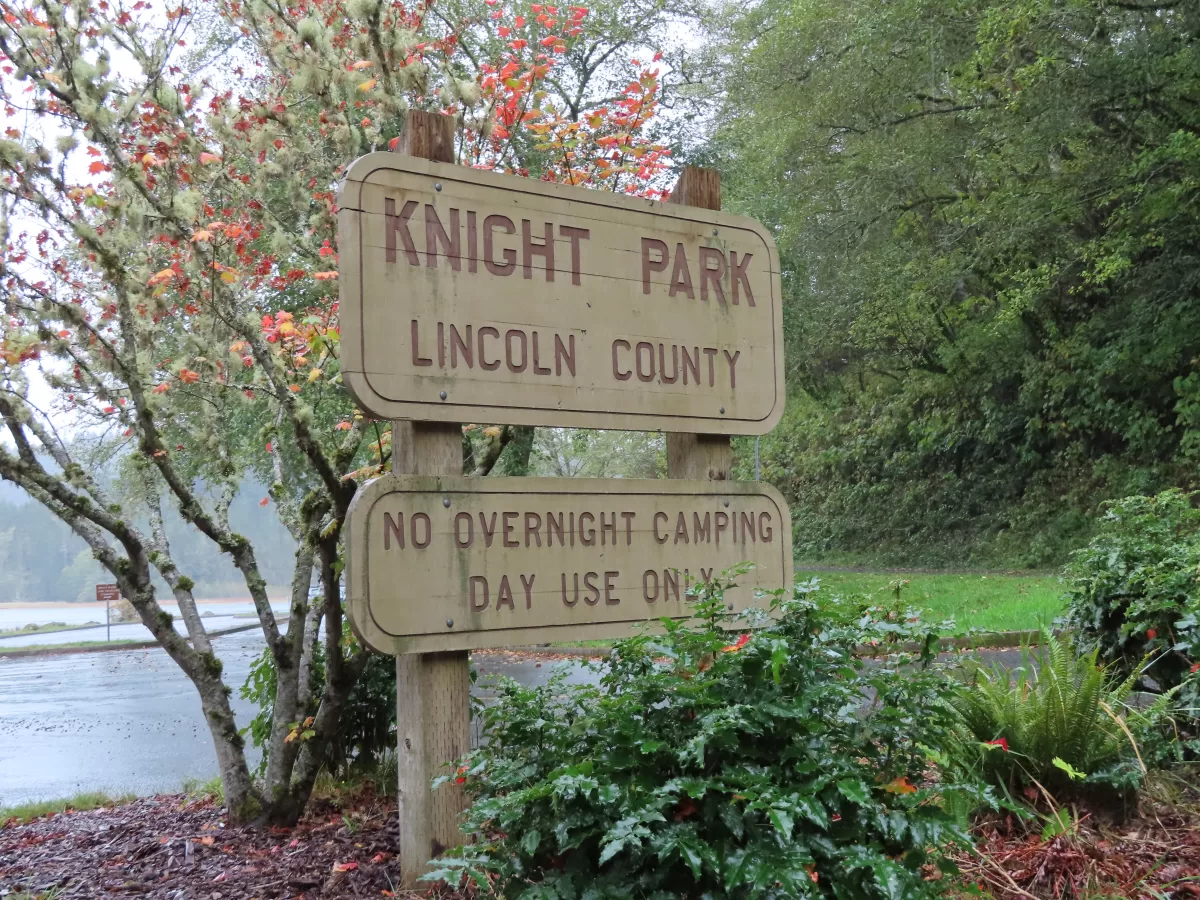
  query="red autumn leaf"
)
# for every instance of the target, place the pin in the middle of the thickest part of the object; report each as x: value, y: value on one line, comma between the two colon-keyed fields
x: 737, y: 645
x: 264, y: 501
x: 343, y: 426
x: 1002, y: 743
x: 187, y: 376
x: 109, y: 410
x: 97, y: 167
x: 345, y: 867
x: 1151, y: 633
x: 269, y: 446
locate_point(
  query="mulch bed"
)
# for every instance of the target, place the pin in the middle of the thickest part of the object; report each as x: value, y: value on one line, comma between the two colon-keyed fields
x: 1151, y: 857
x: 173, y: 848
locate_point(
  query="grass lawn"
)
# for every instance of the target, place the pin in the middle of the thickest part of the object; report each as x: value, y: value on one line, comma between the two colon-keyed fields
x: 24, y: 812
x: 988, y: 602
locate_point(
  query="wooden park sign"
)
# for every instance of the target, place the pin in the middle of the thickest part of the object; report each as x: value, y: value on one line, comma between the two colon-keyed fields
x: 468, y: 296
x: 457, y: 563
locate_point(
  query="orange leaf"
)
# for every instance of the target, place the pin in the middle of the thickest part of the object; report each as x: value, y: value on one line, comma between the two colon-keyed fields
x: 264, y: 501
x: 206, y: 158
x: 363, y: 64
x: 97, y: 167
x: 325, y: 276
x: 736, y: 645
x: 294, y: 388
x: 900, y: 786
x: 187, y: 376
x: 345, y: 867
x: 368, y: 84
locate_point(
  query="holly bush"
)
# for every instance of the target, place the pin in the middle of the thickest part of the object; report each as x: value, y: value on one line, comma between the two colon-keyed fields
x: 764, y: 762
x: 1134, y: 591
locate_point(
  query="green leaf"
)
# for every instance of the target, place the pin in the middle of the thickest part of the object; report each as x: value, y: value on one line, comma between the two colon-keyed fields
x: 855, y: 791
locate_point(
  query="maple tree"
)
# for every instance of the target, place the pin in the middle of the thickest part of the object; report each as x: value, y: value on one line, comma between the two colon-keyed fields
x: 168, y: 177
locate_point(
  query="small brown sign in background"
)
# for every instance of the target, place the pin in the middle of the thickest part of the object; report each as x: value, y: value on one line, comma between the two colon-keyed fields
x: 107, y: 593
x: 458, y: 563
x: 468, y: 296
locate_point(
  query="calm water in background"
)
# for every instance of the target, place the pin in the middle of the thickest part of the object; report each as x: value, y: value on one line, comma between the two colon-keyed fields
x: 128, y: 721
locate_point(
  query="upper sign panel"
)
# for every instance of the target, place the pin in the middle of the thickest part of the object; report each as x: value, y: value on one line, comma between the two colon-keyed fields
x: 468, y: 296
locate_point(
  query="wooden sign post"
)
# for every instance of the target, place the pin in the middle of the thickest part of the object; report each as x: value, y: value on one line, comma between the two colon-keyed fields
x: 702, y: 455
x: 472, y: 296
x: 433, y: 699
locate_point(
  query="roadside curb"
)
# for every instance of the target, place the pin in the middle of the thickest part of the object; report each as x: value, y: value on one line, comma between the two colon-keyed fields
x: 106, y: 648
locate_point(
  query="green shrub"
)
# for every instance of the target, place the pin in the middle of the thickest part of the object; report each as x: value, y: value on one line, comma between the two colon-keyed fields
x: 1061, y: 721
x: 770, y: 764
x: 1134, y: 591
x: 367, y: 728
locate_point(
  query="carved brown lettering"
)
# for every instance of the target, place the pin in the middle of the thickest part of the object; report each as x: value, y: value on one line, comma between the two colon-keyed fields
x: 510, y: 354
x: 732, y: 360
x: 710, y: 275
x: 460, y: 345
x: 509, y: 256
x: 504, y: 596
x: 589, y: 582
x: 711, y: 353
x: 488, y: 528
x: 650, y: 594
x: 648, y: 373
x: 398, y: 225
x: 484, y: 362
x: 738, y: 276
x: 420, y: 520
x: 649, y: 265
x: 479, y: 599
x: 662, y: 364
x: 576, y: 235
x: 393, y: 528
x: 461, y: 540
x: 436, y: 237
x: 563, y: 355
x: 417, y: 358
x: 510, y: 528
x: 617, y: 373
x: 662, y: 539
x: 529, y: 249
x: 533, y: 525
x: 538, y: 368
x: 681, y: 275
x: 609, y: 587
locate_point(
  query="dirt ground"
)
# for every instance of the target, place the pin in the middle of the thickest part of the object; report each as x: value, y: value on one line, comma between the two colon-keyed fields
x: 170, y: 848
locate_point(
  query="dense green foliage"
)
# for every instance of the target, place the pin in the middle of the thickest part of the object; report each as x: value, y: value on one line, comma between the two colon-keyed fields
x: 1134, y: 594
x: 1059, y: 721
x: 705, y: 764
x: 988, y: 214
x: 367, y: 727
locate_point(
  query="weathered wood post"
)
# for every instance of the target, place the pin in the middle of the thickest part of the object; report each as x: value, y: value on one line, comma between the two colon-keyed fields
x: 432, y: 689
x: 700, y: 456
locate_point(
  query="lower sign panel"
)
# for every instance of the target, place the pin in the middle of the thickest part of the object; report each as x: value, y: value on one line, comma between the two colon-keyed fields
x: 462, y: 563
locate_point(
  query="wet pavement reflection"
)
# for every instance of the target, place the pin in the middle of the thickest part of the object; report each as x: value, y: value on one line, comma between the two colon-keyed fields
x: 129, y: 721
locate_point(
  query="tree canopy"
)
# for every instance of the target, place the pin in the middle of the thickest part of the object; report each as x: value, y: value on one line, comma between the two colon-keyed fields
x: 988, y: 217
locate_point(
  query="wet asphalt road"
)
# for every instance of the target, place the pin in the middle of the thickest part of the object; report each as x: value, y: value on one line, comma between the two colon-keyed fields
x: 129, y: 721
